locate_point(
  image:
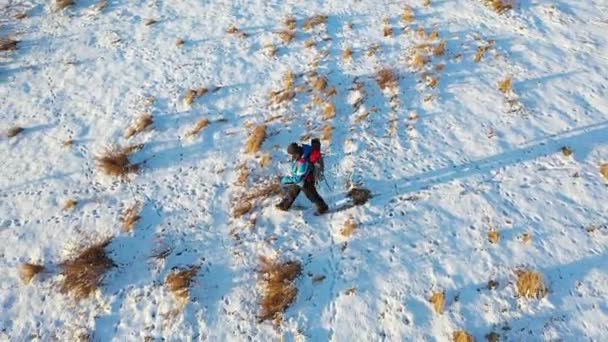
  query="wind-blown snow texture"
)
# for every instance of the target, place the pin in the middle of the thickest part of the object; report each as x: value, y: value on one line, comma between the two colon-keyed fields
x: 466, y: 162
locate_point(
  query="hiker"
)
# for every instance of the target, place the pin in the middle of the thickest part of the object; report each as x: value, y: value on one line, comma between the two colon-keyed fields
x: 301, y: 179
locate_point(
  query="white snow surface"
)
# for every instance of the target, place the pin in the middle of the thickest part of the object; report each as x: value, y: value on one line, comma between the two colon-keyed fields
x: 446, y: 165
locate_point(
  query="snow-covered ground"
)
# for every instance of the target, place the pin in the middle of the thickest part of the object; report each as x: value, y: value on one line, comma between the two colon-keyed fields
x: 447, y: 164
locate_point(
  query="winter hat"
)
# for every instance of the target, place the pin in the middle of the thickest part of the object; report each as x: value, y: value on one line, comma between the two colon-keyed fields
x: 294, y: 149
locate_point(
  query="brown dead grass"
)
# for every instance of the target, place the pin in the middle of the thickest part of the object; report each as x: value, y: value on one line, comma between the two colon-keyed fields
x: 270, y: 50
x: 329, y: 112
x: 28, y: 271
x: 347, y: 54
x: 8, y: 44
x: 526, y: 238
x: 481, y: 52
x: 279, y: 290
x: 408, y: 15
x: 387, y: 31
x: 256, y: 139
x: 242, y: 209
x: 193, y: 94
x: 310, y: 43
x: 350, y: 225
x: 141, y: 124
x: 179, y: 282
x: 566, y: 151
x: 315, y: 21
x: 266, y: 160
x: 319, y: 83
x: 530, y: 284
x: 327, y: 133
x: 439, y: 50
x: 63, y: 4
x: 290, y: 22
x: 499, y: 6
x: 462, y: 336
x: 198, y: 127
x: 70, y: 204
x: 494, y: 236
x: 506, y: 86
x: 438, y: 302
x: 372, y: 50
x: 278, y: 97
x: 84, y: 273
x: 130, y: 217
x: 386, y: 78
x: 419, y: 60
x: 14, y: 131
x: 289, y: 79
x: 604, y: 170
x: 115, y: 160
x: 287, y: 36
x: 359, y: 195
x: 150, y: 22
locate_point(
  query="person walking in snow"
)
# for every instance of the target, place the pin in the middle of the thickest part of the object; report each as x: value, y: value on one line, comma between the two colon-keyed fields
x: 301, y: 179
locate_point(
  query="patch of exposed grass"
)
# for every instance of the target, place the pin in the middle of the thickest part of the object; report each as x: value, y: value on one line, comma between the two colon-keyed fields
x: 347, y: 54
x: 315, y: 21
x: 130, y: 217
x: 115, y: 160
x: 438, y: 302
x: 567, y: 151
x: 350, y: 225
x: 28, y: 271
x: 179, y: 282
x: 193, y: 94
x: 290, y: 22
x: 83, y: 274
x: 359, y: 195
x: 530, y: 284
x: 8, y: 44
x: 198, y: 127
x: 386, y: 78
x: 462, y: 336
x: 499, y: 6
x: 60, y: 5
x: 241, y: 209
x: 387, y: 31
x: 278, y: 288
x: 408, y: 15
x: 141, y: 124
x: 329, y: 112
x: 604, y: 170
x: 439, y: 50
x: 70, y: 204
x: 278, y: 97
x: 266, y: 160
x: 150, y: 22
x: 506, y: 86
x: 327, y: 133
x: 494, y: 236
x: 418, y: 60
x: 14, y: 131
x: 256, y: 139
x: 287, y: 36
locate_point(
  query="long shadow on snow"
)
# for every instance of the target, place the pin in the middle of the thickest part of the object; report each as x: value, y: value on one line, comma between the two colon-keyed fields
x: 581, y: 140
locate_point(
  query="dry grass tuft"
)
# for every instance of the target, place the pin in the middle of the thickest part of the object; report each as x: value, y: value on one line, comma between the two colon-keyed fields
x: 256, y: 138
x: 371, y: 51
x: 130, y: 217
x: 530, y: 284
x: 526, y: 237
x: 179, y: 282
x: 289, y: 80
x: 180, y: 42
x: 287, y: 36
x: 28, y: 271
x: 434, y: 35
x: 63, y: 4
x: 506, y: 86
x: 150, y: 22
x: 279, y: 290
x: 439, y: 50
x: 198, y: 127
x: 290, y: 22
x: 84, y: 273
x: 115, y: 161
x: 329, y: 112
x: 418, y: 60
x: 462, y: 336
x: 494, y: 236
x: 193, y: 94
x: 499, y: 6
x: 68, y: 143
x: 315, y: 21
x: 319, y: 83
x: 408, y: 15
x: 70, y: 204
x: 359, y: 196
x: 242, y: 209
x: 350, y: 225
x: 347, y: 54
x: 8, y: 44
x: 387, y: 31
x: 604, y: 170
x: 438, y: 301
x: 481, y: 52
x: 386, y: 78
x: 566, y: 151
x: 328, y: 133
x: 309, y: 44
x: 14, y: 131
x: 140, y: 125
x: 278, y: 97
x: 266, y: 160
x: 421, y: 33
x: 270, y: 50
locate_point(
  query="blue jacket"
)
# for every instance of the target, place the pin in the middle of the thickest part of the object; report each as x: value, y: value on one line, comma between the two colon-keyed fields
x: 299, y: 170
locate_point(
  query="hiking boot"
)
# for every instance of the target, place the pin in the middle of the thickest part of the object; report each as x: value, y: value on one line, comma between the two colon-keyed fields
x: 280, y: 206
x: 321, y: 210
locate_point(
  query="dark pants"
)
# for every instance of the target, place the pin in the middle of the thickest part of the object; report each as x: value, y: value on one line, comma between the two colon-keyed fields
x: 291, y: 191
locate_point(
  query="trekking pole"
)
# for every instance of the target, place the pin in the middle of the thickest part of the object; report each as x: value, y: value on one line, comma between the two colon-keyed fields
x: 327, y: 183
